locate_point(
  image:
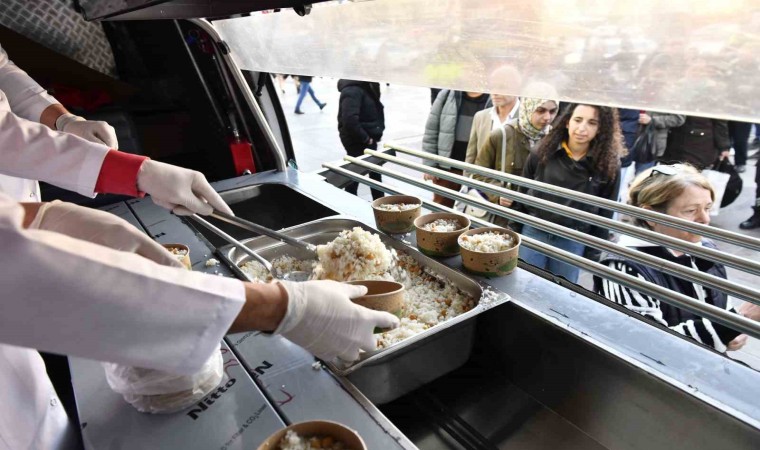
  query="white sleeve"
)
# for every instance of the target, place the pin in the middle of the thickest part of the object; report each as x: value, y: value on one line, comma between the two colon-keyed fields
x: 33, y: 151
x: 27, y: 98
x: 72, y: 297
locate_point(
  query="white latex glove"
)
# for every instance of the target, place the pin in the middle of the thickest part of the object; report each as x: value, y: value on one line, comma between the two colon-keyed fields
x: 92, y: 130
x: 181, y: 190
x: 322, y: 319
x: 101, y: 228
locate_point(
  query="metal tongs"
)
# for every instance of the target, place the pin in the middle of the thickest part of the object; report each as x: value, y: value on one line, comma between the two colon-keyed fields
x: 291, y: 276
x: 256, y: 228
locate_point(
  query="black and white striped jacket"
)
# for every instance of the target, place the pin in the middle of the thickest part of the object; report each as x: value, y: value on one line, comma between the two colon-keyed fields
x: 684, y: 322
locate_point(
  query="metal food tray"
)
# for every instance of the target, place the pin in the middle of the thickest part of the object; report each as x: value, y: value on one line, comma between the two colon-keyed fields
x: 388, y: 373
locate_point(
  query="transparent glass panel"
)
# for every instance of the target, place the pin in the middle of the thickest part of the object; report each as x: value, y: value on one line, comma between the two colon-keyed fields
x: 687, y: 56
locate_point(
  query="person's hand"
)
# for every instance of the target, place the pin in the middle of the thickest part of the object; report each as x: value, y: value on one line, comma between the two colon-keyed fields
x: 99, y: 227
x: 738, y: 342
x: 750, y: 311
x: 92, y: 130
x: 428, y: 177
x: 183, y: 191
x: 724, y: 154
x: 504, y: 201
x: 644, y: 119
x: 322, y: 319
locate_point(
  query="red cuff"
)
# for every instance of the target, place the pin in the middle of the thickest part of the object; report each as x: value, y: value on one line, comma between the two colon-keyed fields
x: 118, y: 174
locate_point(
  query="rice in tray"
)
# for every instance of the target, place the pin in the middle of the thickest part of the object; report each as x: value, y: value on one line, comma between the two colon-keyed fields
x: 429, y: 298
x: 353, y: 255
x: 488, y: 242
x: 443, y: 225
x: 397, y: 206
x: 294, y: 441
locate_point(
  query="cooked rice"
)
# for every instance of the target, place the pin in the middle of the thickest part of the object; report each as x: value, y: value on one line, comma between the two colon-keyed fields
x: 397, y: 206
x: 211, y: 262
x: 282, y: 265
x: 430, y: 299
x: 353, y: 255
x: 178, y: 252
x: 488, y: 242
x: 293, y: 441
x: 443, y: 225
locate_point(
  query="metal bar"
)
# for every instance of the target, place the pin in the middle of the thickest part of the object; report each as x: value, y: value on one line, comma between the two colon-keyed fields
x: 703, y: 230
x: 280, y: 159
x: 671, y: 242
x: 721, y: 284
x: 734, y: 321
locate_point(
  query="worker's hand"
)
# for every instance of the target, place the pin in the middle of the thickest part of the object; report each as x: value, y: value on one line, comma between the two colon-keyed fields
x: 504, y: 201
x: 101, y: 228
x: 181, y: 190
x: 738, y: 342
x: 92, y: 130
x: 322, y: 319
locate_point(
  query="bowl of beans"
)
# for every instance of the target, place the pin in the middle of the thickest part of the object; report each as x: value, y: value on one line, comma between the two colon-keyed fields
x: 395, y: 214
x: 489, y: 251
x: 321, y: 434
x: 437, y: 233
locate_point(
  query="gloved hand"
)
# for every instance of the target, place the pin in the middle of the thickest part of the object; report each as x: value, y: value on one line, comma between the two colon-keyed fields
x: 181, y: 190
x: 92, y: 130
x: 101, y: 228
x: 322, y: 319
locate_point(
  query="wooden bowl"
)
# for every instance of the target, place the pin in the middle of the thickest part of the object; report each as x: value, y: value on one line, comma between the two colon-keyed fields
x: 321, y: 428
x: 396, y: 222
x: 439, y: 243
x: 184, y: 259
x: 382, y: 296
x: 488, y: 264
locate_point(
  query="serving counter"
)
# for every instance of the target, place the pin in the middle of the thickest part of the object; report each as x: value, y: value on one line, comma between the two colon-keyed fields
x: 550, y: 367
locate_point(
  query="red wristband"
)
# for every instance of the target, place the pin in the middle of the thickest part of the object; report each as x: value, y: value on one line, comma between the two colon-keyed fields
x: 118, y: 174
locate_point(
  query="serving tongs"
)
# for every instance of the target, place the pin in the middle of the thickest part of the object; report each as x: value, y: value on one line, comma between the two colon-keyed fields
x: 295, y: 275
x: 256, y: 228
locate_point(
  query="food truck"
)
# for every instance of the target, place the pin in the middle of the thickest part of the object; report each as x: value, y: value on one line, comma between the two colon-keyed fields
x: 536, y: 362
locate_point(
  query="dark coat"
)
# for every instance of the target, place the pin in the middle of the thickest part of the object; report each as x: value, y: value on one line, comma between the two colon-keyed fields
x: 698, y: 142
x: 561, y: 170
x: 360, y: 114
x: 629, y: 125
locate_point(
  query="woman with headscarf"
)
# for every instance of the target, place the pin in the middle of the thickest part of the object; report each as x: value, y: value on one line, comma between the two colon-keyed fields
x: 508, y: 147
x: 581, y: 153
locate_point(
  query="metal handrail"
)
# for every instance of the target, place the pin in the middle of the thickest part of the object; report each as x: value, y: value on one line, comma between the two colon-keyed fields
x: 734, y: 321
x: 743, y: 292
x: 701, y: 229
x: 737, y: 262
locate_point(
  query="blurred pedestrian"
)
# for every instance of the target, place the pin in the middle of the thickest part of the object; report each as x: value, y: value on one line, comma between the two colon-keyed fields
x: 305, y: 88
x: 700, y: 141
x: 361, y: 122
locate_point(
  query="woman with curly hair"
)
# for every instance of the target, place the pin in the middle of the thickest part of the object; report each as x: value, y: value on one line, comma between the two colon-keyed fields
x: 581, y: 153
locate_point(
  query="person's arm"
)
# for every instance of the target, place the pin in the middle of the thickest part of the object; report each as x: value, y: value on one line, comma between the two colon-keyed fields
x: 432, y: 127
x: 473, y: 142
x: 350, y: 111
x: 668, y: 120
x: 487, y: 158
x: 704, y: 331
x: 721, y: 138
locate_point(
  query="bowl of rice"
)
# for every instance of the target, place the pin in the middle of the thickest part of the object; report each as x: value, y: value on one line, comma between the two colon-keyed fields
x: 382, y: 295
x: 314, y: 434
x: 396, y: 213
x: 181, y: 252
x: 490, y: 251
x: 437, y: 233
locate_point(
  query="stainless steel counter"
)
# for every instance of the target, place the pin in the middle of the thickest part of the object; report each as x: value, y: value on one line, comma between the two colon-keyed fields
x: 710, y: 394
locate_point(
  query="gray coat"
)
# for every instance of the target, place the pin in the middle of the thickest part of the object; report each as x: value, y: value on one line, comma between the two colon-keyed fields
x: 440, y: 129
x: 662, y: 124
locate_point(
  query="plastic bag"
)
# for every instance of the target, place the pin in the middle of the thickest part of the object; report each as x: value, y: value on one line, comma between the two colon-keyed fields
x: 158, y: 392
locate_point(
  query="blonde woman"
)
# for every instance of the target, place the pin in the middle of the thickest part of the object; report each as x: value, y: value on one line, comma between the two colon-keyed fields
x: 680, y: 191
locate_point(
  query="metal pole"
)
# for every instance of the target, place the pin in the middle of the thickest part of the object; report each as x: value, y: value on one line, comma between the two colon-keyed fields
x: 703, y: 230
x: 672, y: 268
x: 711, y: 312
x: 671, y: 242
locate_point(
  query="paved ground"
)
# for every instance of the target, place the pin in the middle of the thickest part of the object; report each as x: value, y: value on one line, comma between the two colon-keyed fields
x: 315, y: 138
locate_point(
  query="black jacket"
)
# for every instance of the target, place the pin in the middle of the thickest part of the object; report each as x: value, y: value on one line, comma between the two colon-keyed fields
x: 360, y: 114
x: 561, y: 170
x: 629, y: 125
x: 698, y: 142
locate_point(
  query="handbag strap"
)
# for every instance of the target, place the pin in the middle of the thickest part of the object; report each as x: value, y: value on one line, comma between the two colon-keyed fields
x: 503, y: 149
